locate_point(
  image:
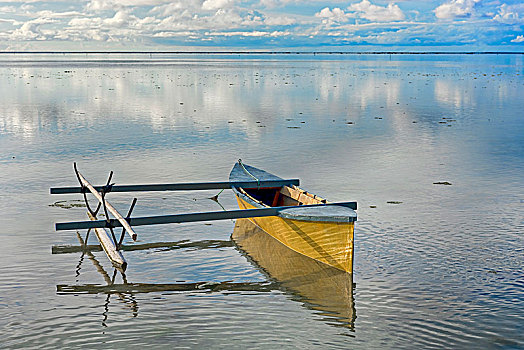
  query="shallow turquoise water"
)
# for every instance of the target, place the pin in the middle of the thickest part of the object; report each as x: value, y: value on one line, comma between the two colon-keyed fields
x: 441, y: 268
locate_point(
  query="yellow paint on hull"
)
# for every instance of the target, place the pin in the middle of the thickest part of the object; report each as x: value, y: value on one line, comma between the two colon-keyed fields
x: 328, y: 242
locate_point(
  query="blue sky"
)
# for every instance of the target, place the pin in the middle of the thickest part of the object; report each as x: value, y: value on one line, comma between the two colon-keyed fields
x: 443, y: 25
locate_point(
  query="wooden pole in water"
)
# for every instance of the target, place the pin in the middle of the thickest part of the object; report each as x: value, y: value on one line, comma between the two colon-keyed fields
x: 109, y: 246
x: 109, y: 207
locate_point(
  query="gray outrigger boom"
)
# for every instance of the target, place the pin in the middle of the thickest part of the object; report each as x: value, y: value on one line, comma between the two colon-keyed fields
x: 191, y: 217
x: 188, y: 186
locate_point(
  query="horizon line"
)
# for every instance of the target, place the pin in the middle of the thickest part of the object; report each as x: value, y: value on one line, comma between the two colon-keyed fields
x: 287, y: 52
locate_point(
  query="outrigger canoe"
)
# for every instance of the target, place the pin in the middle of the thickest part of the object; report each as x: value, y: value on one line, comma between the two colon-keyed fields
x: 303, y: 222
x: 323, y: 233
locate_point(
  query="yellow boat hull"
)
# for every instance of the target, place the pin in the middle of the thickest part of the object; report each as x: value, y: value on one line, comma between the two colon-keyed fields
x: 328, y: 242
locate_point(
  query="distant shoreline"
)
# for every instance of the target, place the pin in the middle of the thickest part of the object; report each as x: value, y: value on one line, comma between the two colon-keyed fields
x: 264, y: 52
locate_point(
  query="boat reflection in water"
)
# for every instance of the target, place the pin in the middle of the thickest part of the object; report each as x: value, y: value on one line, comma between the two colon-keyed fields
x: 319, y: 286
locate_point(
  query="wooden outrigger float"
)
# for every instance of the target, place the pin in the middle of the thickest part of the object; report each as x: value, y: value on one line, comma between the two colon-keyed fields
x: 303, y: 222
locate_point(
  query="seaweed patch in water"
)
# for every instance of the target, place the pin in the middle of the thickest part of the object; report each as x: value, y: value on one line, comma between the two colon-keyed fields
x: 69, y: 204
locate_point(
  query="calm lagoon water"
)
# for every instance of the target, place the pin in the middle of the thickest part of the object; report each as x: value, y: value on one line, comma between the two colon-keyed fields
x: 436, y: 266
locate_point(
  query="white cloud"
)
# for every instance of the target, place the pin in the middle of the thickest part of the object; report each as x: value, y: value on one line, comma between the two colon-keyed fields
x: 175, y: 7
x: 123, y: 26
x: 364, y: 10
x: 375, y: 13
x: 216, y: 4
x: 255, y: 33
x: 172, y: 34
x: 222, y: 19
x: 84, y: 23
x: 120, y: 19
x: 31, y: 30
x: 277, y: 3
x: 335, y: 15
x: 100, y: 5
x: 518, y: 39
x: 279, y: 21
x: 509, y: 13
x: 7, y: 9
x: 30, y: 1
x: 51, y: 14
x: 455, y: 8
